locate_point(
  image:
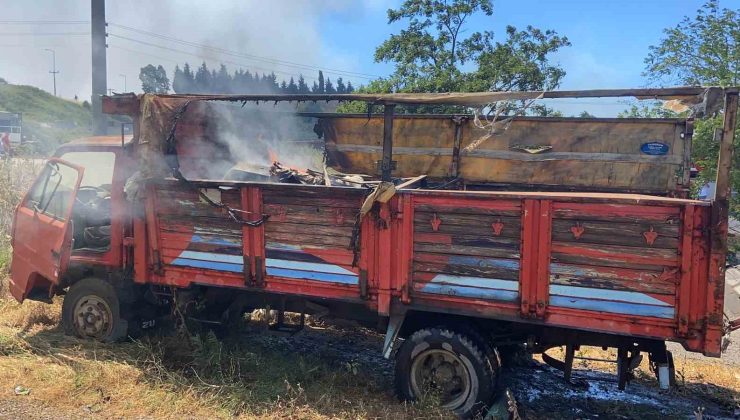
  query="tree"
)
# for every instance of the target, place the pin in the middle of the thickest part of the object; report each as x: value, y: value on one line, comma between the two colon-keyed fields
x: 433, y: 54
x: 223, y: 83
x: 350, y: 88
x: 586, y: 114
x: 203, y: 79
x: 329, y: 87
x: 700, y: 50
x: 154, y: 79
x: 302, y: 86
x: 703, y: 50
x: 322, y: 86
x: 315, y: 88
x: 341, y: 88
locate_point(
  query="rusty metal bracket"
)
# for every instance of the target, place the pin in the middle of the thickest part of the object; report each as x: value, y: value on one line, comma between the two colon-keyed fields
x: 247, y: 270
x: 259, y: 272
x: 363, y: 284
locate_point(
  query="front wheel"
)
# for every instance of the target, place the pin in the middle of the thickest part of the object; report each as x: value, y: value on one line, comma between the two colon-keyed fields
x: 448, y: 365
x: 91, y: 310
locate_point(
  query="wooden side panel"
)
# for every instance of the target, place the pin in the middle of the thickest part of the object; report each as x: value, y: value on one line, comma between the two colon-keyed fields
x: 309, y: 235
x: 193, y: 235
x: 600, y: 154
x: 620, y: 259
x: 467, y: 248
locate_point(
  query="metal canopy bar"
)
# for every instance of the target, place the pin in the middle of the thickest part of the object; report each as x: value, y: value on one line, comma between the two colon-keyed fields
x: 463, y: 99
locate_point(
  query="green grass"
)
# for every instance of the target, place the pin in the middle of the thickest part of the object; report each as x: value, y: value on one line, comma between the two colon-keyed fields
x: 47, y: 120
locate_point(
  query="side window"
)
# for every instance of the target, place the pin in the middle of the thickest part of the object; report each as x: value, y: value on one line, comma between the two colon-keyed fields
x: 52, y: 193
x: 98, y: 167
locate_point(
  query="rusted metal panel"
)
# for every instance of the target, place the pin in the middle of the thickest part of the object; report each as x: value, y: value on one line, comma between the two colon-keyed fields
x: 598, y: 154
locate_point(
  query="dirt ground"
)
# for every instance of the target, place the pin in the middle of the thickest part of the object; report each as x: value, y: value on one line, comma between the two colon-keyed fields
x: 539, y: 390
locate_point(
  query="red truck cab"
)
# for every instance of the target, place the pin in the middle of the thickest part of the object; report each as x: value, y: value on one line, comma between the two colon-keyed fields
x: 79, y: 195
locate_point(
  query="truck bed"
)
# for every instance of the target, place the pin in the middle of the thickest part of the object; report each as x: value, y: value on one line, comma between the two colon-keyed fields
x: 617, y: 263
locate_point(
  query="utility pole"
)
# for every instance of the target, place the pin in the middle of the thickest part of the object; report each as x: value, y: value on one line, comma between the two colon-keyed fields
x: 99, y: 66
x: 54, y: 68
x: 124, y: 82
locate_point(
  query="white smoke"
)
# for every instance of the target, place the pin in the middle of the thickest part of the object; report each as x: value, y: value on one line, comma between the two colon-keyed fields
x: 284, y: 29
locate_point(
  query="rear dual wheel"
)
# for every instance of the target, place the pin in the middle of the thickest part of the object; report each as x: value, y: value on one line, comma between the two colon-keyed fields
x: 457, y: 369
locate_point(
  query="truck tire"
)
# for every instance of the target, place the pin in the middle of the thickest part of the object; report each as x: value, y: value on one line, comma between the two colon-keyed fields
x: 91, y: 310
x: 448, y: 365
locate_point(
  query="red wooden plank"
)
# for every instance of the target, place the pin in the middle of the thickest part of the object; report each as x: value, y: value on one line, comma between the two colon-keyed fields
x: 528, y: 270
x: 542, y: 279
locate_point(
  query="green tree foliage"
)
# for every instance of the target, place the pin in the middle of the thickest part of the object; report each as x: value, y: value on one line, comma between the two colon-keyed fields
x: 435, y: 53
x: 154, y: 79
x: 702, y: 50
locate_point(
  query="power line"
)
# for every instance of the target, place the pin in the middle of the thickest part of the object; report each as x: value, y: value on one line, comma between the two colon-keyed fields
x: 44, y: 33
x: 44, y: 22
x: 286, y: 63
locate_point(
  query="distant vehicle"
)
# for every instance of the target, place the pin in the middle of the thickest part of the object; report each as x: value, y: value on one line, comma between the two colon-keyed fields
x: 10, y: 127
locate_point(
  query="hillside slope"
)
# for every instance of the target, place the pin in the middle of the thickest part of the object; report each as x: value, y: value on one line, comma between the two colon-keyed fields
x: 47, y: 120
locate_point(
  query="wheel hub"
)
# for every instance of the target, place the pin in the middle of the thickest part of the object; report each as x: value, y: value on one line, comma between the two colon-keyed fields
x: 443, y: 373
x: 92, y: 317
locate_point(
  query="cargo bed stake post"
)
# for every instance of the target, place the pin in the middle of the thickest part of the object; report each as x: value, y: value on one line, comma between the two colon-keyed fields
x: 720, y: 220
x: 387, y: 164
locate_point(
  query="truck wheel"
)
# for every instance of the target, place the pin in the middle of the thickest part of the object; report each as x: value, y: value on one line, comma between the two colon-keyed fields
x: 91, y: 310
x: 449, y: 365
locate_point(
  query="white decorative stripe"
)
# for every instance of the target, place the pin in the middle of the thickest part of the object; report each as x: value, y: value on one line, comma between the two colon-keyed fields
x: 308, y: 266
x: 211, y: 256
x: 483, y: 282
x: 604, y: 294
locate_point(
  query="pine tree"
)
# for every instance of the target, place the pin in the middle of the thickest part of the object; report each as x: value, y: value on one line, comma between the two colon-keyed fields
x: 177, y: 80
x: 302, y: 86
x: 223, y: 83
x: 340, y: 86
x: 315, y: 88
x: 329, y: 89
x: 350, y: 88
x: 283, y: 87
x: 292, y: 87
x: 203, y: 79
x: 322, y: 87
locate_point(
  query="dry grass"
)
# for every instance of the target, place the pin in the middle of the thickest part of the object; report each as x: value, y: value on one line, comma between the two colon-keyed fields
x: 177, y: 376
x: 15, y: 177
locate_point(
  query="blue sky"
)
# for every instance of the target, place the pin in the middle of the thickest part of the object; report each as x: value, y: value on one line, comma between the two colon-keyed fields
x: 610, y: 38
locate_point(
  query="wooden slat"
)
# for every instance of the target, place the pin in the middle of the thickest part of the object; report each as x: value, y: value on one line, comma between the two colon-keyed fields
x: 466, y: 270
x: 616, y: 213
x: 512, y: 228
x: 474, y: 221
x: 302, y: 229
x: 442, y: 209
x: 305, y: 239
x: 467, y: 240
x: 614, y: 256
x: 629, y: 234
x: 466, y: 250
x: 323, y: 202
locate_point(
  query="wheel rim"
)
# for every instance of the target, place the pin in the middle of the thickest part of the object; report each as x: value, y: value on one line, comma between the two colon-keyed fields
x: 92, y: 317
x: 443, y: 373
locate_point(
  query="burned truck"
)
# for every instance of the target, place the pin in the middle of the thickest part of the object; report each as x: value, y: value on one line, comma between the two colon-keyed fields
x: 461, y: 236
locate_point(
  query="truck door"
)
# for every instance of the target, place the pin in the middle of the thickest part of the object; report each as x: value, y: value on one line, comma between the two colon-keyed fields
x: 42, y: 235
